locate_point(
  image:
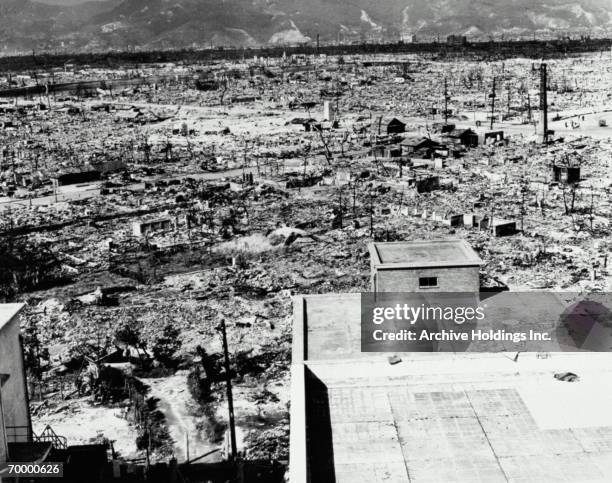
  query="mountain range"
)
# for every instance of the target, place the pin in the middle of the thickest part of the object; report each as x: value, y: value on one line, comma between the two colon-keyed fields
x: 80, y: 25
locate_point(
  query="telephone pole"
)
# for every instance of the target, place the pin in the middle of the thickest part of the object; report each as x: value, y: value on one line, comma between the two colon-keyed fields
x: 230, y: 398
x: 445, y: 100
x: 340, y: 208
x: 544, y: 101
x: 493, y: 103
x: 528, y: 107
x: 509, y: 95
x: 371, y: 215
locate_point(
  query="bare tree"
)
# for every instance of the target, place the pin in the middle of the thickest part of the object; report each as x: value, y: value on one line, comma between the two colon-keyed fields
x: 223, y: 86
x: 569, y: 200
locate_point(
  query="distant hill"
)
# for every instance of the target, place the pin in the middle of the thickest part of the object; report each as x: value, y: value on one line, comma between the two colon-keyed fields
x: 79, y: 25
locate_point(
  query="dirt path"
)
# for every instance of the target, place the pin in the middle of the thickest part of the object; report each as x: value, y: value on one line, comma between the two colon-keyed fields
x: 176, y: 403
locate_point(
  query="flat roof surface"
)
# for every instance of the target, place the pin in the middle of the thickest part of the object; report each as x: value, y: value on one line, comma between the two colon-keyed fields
x: 448, y: 417
x: 465, y: 426
x: 332, y: 323
x: 425, y: 253
x: 7, y: 312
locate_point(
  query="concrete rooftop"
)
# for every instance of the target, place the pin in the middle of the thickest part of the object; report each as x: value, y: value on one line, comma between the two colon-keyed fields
x: 432, y: 253
x: 441, y: 417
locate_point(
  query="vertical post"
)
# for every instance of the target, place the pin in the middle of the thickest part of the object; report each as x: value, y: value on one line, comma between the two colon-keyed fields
x: 508, y: 87
x: 340, y: 208
x: 187, y: 458
x: 544, y: 101
x: 445, y: 100
x: 528, y: 107
x: 230, y: 399
x: 371, y: 216
x: 148, y: 447
x: 522, y: 209
x: 493, y: 104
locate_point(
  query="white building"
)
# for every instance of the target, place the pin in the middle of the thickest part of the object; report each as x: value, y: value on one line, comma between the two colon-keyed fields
x: 15, y: 425
x: 329, y: 111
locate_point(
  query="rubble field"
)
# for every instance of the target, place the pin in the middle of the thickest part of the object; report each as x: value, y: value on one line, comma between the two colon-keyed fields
x: 133, y: 221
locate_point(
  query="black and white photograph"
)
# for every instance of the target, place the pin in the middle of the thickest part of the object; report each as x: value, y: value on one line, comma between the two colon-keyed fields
x: 316, y: 241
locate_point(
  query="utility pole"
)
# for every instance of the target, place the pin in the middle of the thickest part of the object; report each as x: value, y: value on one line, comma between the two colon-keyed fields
x: 523, y: 190
x: 445, y: 100
x: 10, y: 215
x: 528, y: 107
x: 508, y: 109
x: 340, y: 208
x: 544, y: 101
x: 492, y: 103
x: 371, y: 216
x: 230, y: 399
x: 148, y: 448
x: 187, y: 446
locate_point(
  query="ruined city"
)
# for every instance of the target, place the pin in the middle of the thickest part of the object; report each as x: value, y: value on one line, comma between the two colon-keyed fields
x: 183, y: 245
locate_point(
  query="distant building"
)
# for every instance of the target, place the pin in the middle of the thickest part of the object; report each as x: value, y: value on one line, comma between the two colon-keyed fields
x: 423, y: 146
x: 395, y: 126
x: 128, y: 115
x: 76, y: 177
x: 329, y: 111
x: 343, y: 177
x: 408, y: 38
x: 109, y: 165
x: 492, y: 137
x: 465, y: 137
x: 441, y: 265
x: 243, y: 99
x: 456, y: 40
x: 392, y: 152
x: 566, y: 174
x: 499, y: 226
x: 443, y: 128
x: 426, y: 183
x: 143, y: 228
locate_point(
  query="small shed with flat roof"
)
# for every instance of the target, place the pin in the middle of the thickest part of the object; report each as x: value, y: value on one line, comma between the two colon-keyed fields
x: 433, y: 265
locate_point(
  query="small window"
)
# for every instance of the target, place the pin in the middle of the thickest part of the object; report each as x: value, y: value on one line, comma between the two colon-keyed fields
x: 428, y: 282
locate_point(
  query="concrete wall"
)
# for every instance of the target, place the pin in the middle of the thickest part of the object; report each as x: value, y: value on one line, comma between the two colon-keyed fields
x: 451, y: 279
x: 3, y: 443
x: 13, y: 392
x: 298, y: 454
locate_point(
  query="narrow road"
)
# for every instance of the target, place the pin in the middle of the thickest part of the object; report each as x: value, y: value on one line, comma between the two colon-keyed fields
x: 176, y: 403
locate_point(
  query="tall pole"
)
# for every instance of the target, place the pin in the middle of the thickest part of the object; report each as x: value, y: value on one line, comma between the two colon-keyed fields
x: 493, y: 103
x: 528, y: 107
x: 508, y: 100
x: 354, y: 199
x: 445, y: 100
x: 544, y: 101
x: 187, y: 446
x: 371, y: 216
x: 340, y: 208
x: 230, y: 399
